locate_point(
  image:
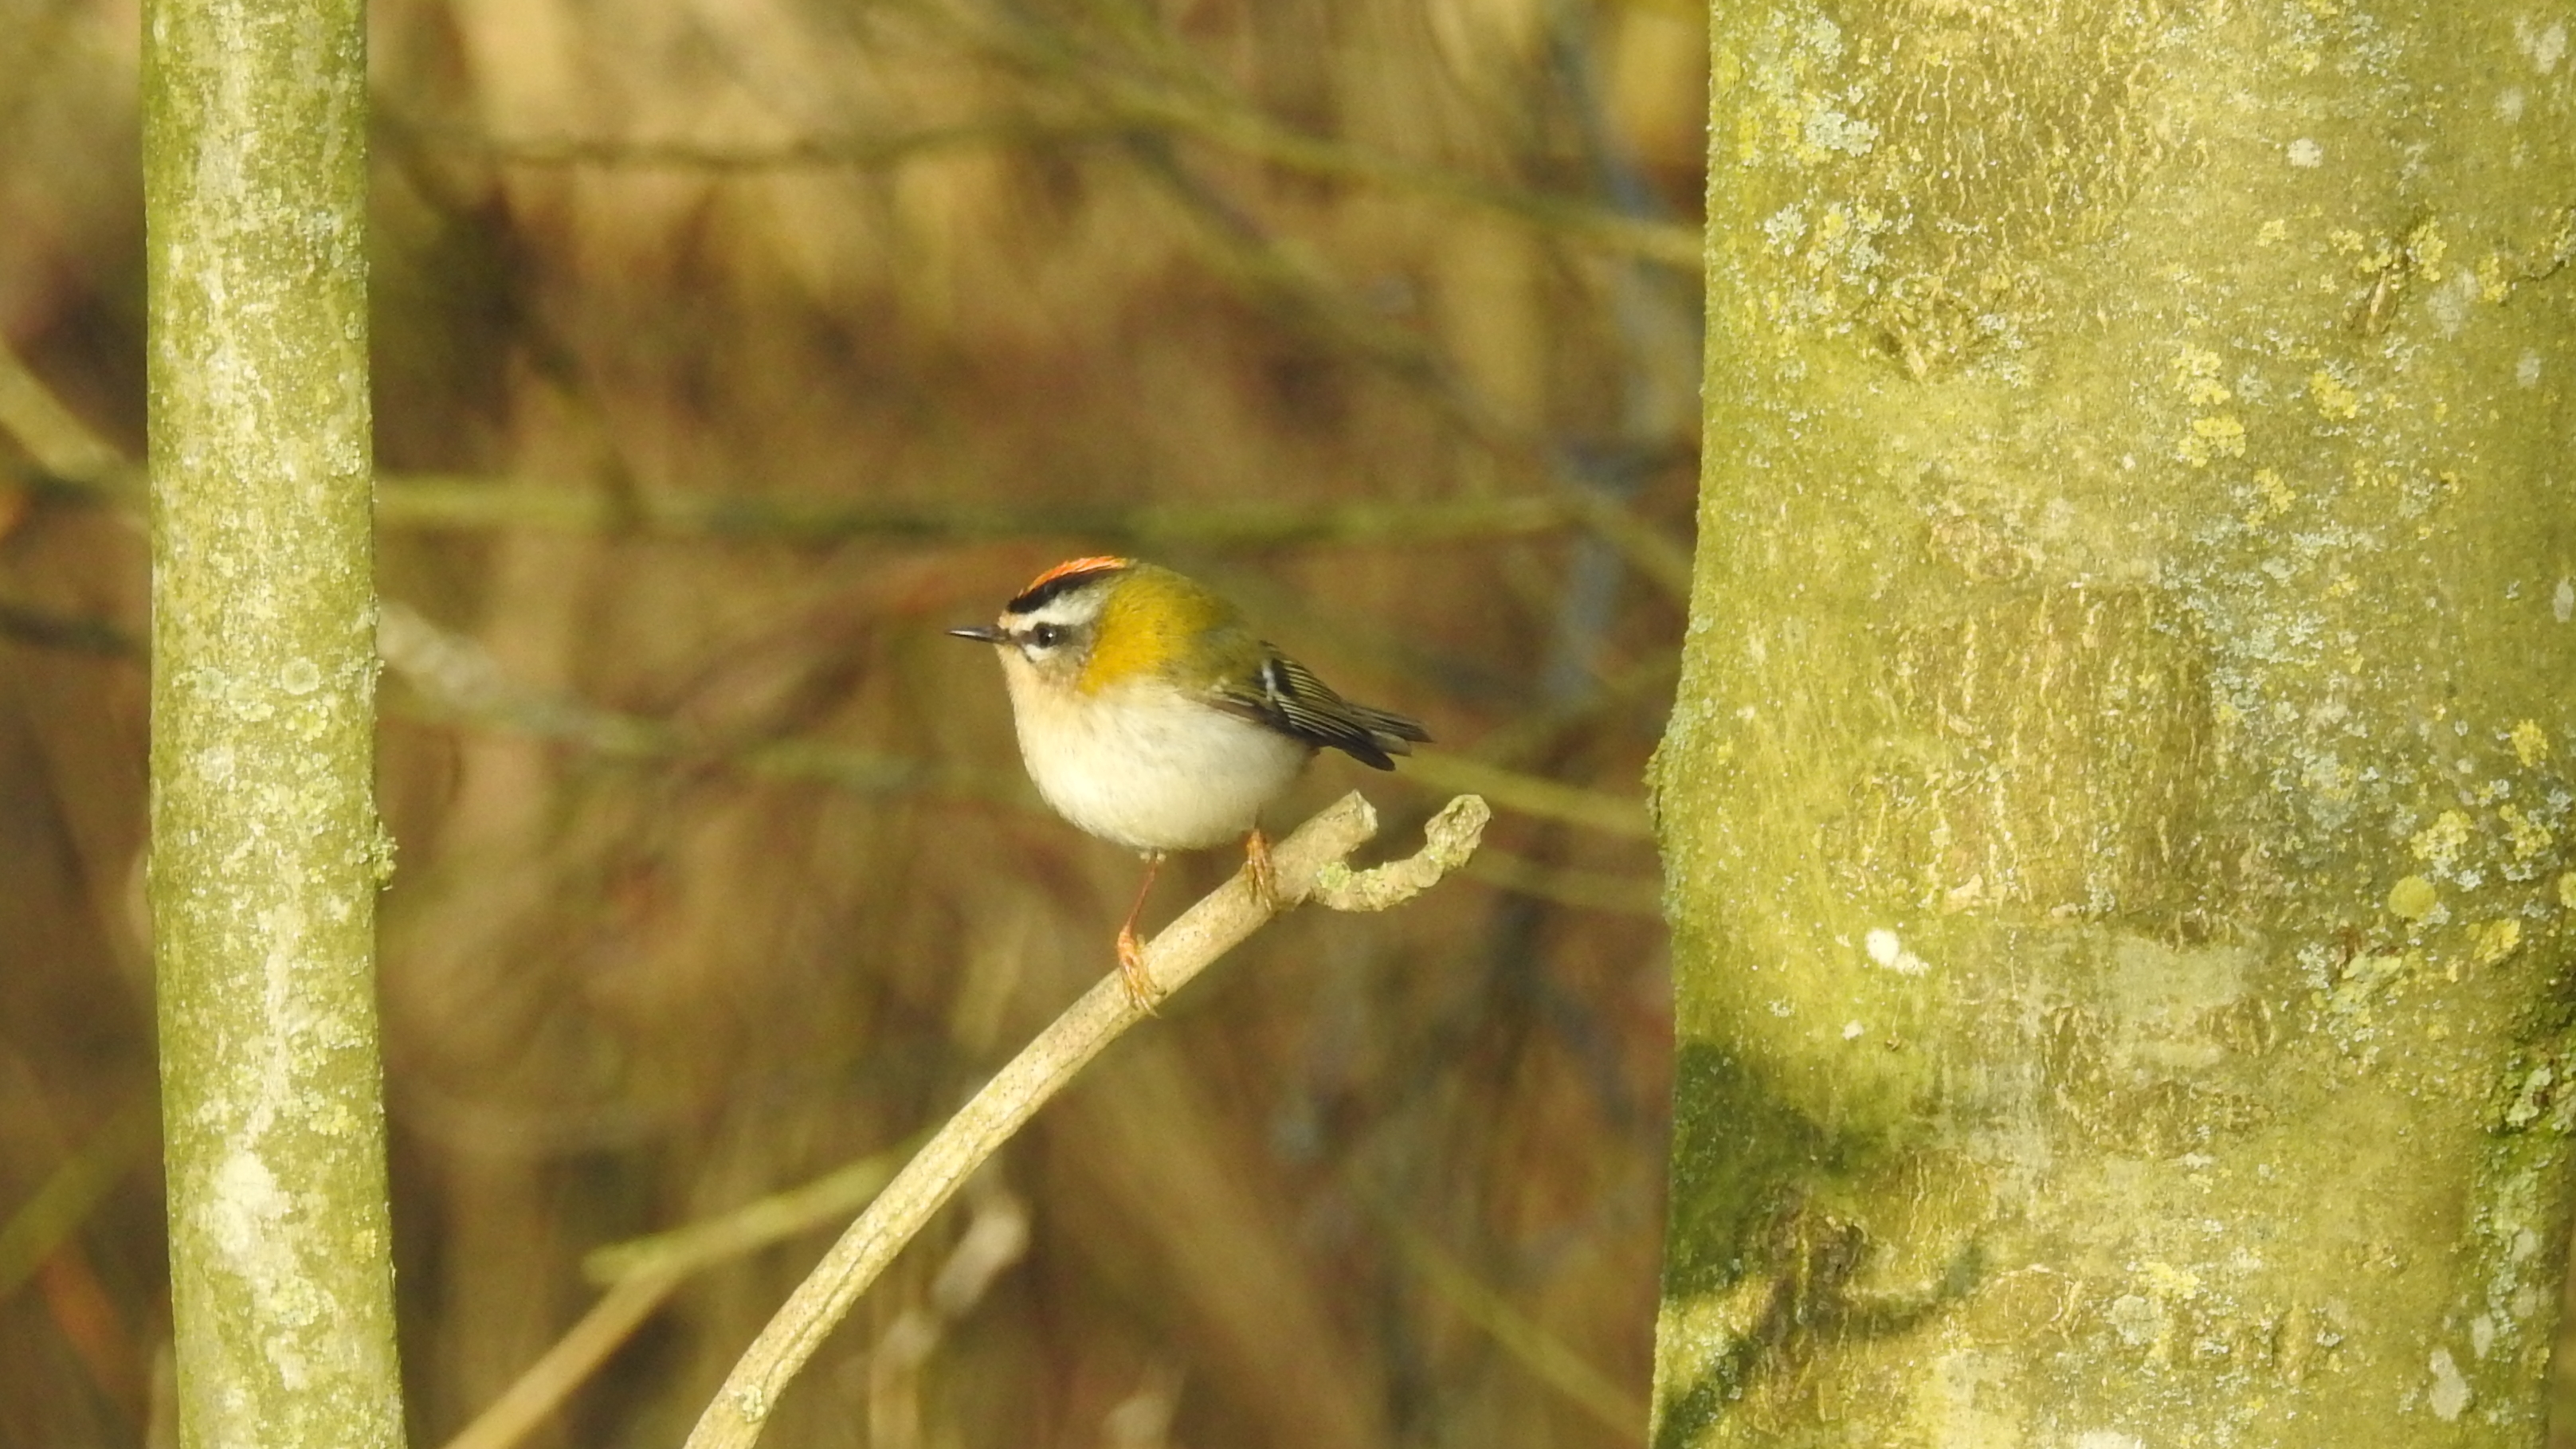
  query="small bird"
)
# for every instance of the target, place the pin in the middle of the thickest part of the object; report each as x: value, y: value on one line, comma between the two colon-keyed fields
x: 1151, y: 715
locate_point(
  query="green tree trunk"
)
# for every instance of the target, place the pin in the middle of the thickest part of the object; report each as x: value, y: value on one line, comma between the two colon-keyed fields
x: 2118, y: 807
x: 266, y: 850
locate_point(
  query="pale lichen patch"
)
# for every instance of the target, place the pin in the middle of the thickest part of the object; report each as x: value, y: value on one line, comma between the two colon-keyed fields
x: 1887, y: 949
x: 2528, y: 837
x: 2450, y: 1392
x: 2493, y: 941
x: 2195, y: 372
x: 2272, y: 497
x: 245, y: 1203
x: 2439, y: 844
x: 2537, y: 1094
x: 2530, y: 743
x: 2544, y: 45
x: 2334, y: 397
x: 2212, y: 437
x: 2413, y: 898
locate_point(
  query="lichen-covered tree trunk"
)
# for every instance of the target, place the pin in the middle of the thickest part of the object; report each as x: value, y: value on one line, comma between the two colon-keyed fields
x: 266, y: 851
x: 2118, y: 808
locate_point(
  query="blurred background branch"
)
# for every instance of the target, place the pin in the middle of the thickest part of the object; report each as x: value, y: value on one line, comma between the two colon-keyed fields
x: 1124, y: 113
x: 641, y: 1275
x: 74, y: 1189
x: 726, y: 352
x: 461, y: 503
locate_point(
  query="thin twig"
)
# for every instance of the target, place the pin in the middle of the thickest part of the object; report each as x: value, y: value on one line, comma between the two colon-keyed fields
x: 1658, y: 555
x: 1233, y: 243
x: 70, y: 461
x: 1246, y: 131
x: 564, y: 1367
x: 1175, y: 97
x: 439, y: 501
x: 1533, y: 733
x: 1181, y: 99
x: 1128, y: 107
x: 53, y: 435
x: 858, y: 152
x: 748, y: 1228
x: 1615, y: 892
x: 1209, y: 929
x: 460, y: 502
x: 453, y: 683
x: 641, y: 1273
x: 996, y: 1236
x: 72, y: 1190
x: 68, y: 633
x: 1545, y: 1355
x: 453, y: 680
x: 1531, y: 795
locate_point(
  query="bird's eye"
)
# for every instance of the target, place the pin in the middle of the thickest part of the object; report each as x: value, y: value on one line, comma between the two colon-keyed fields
x: 1046, y: 636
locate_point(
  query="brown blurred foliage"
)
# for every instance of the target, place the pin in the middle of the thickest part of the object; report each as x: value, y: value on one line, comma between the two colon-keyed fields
x: 717, y: 871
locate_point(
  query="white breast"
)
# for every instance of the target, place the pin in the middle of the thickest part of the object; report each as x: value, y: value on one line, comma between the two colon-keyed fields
x: 1150, y: 769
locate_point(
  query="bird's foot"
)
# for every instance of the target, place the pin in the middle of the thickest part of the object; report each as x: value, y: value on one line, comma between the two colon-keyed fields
x: 1131, y: 956
x: 1131, y: 971
x: 1265, y: 879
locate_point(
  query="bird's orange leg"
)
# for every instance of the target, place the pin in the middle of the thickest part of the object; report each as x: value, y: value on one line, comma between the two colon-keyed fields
x: 1131, y: 956
x: 1265, y: 881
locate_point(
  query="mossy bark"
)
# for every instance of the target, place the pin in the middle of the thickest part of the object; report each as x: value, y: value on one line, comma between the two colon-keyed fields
x: 266, y: 850
x: 2117, y: 812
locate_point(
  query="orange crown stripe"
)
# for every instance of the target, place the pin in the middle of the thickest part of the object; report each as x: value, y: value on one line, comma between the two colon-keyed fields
x: 1095, y: 564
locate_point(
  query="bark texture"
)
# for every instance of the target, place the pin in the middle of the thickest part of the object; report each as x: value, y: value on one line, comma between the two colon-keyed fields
x: 266, y: 851
x: 2117, y: 811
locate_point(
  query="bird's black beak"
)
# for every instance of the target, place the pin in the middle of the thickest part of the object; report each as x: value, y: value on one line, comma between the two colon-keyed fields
x: 981, y: 633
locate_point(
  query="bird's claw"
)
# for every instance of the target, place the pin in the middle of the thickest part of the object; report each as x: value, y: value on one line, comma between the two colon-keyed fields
x: 1265, y: 879
x: 1131, y: 972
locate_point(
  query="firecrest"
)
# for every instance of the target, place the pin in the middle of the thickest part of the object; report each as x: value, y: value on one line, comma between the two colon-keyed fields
x: 1151, y: 715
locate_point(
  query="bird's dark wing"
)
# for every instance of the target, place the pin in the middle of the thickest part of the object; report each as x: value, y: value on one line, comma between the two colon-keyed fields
x: 1284, y: 695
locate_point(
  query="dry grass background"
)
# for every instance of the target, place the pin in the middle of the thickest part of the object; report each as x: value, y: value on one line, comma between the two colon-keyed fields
x: 717, y: 871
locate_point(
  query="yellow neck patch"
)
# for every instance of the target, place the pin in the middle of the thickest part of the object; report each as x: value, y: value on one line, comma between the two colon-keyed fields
x: 1148, y: 626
